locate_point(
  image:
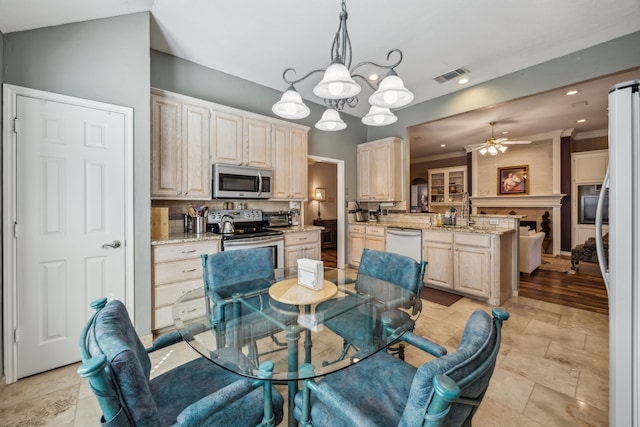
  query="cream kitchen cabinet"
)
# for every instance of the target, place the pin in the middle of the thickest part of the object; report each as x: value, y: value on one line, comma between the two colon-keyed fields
x: 380, y: 168
x: 180, y: 167
x: 474, y: 264
x: 239, y: 139
x: 447, y: 185
x: 364, y: 236
x: 177, y: 268
x: 302, y: 244
x: 289, y: 163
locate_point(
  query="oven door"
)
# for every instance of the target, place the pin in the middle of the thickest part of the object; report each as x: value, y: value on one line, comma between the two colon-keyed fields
x: 275, y: 242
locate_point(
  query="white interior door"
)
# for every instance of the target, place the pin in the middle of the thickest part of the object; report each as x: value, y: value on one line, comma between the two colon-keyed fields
x: 70, y: 205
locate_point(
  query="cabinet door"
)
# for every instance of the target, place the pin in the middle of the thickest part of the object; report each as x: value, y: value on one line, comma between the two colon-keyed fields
x: 292, y: 254
x: 257, y: 143
x: 439, y: 269
x: 166, y: 148
x: 281, y: 171
x: 356, y: 247
x: 364, y: 173
x: 226, y: 144
x: 473, y: 270
x: 375, y: 242
x: 298, y: 164
x: 197, y: 167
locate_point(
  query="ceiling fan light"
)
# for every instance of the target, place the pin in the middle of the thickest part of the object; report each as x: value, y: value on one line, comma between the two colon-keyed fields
x: 330, y: 121
x: 337, y: 83
x: 391, y: 93
x: 379, y: 117
x: 502, y: 148
x: 492, y: 150
x: 290, y: 105
x: 483, y: 151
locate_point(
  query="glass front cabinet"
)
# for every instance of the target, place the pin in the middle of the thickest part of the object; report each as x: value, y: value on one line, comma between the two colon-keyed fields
x: 447, y: 185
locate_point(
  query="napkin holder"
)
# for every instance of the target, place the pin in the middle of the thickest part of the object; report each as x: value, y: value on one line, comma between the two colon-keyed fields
x: 310, y: 273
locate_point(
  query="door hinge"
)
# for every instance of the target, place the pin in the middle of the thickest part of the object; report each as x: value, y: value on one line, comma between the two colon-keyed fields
x: 16, y: 335
x: 15, y: 125
x: 16, y: 230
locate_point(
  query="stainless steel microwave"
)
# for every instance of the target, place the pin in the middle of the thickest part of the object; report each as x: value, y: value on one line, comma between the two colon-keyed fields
x: 241, y: 182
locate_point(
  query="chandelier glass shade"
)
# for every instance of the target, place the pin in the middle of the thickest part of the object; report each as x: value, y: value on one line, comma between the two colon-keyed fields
x: 338, y: 87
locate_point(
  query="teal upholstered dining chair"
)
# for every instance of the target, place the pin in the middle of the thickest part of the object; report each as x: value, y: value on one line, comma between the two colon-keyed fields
x: 400, y: 270
x: 383, y: 390
x: 195, y: 393
x: 244, y: 271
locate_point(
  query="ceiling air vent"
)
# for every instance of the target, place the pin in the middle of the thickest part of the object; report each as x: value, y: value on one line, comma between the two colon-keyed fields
x: 451, y: 75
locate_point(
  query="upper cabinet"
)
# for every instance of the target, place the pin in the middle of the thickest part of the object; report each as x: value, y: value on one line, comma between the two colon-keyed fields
x: 188, y: 135
x: 447, y: 185
x: 180, y: 165
x: 239, y: 140
x: 289, y: 163
x: 380, y: 170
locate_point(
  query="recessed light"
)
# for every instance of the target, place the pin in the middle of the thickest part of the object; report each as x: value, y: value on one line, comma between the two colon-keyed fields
x: 463, y: 80
x: 443, y: 145
x: 373, y: 77
x: 572, y: 92
x: 505, y: 132
x: 581, y: 120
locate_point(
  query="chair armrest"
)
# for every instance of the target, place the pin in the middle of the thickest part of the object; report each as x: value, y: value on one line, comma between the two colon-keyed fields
x: 423, y: 344
x: 197, y: 413
x: 174, y: 337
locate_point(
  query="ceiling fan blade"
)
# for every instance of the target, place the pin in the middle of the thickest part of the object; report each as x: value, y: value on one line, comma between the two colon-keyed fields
x: 476, y: 147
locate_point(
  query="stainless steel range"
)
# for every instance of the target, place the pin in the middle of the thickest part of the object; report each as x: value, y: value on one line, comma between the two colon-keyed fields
x: 246, y: 229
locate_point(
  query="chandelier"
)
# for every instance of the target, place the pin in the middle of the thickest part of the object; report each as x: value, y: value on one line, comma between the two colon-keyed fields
x: 338, y: 87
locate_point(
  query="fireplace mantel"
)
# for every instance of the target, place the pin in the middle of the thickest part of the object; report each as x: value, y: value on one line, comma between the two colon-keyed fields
x: 533, y: 201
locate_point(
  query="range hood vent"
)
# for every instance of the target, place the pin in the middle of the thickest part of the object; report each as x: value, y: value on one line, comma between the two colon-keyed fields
x: 451, y: 75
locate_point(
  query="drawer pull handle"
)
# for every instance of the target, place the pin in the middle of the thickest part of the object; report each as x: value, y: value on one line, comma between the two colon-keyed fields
x: 192, y: 310
x: 303, y: 238
x: 189, y: 252
x: 189, y: 271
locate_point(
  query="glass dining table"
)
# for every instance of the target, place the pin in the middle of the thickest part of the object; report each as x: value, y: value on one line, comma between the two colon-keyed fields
x: 299, y: 331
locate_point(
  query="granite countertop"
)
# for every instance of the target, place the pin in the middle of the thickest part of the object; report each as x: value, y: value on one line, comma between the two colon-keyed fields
x: 448, y: 228
x: 192, y: 237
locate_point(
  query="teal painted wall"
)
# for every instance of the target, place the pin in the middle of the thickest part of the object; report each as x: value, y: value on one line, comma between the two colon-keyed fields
x: 181, y: 76
x: 607, y: 58
x: 104, y: 60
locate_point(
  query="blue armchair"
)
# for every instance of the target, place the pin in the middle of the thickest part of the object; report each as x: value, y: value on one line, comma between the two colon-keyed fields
x: 385, y: 391
x: 195, y: 393
x: 242, y: 272
x: 388, y: 267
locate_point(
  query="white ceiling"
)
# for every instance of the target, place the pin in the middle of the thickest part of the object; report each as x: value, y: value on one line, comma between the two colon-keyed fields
x: 256, y: 39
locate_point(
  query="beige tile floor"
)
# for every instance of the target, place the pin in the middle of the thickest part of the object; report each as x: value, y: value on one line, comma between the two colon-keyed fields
x: 552, y: 370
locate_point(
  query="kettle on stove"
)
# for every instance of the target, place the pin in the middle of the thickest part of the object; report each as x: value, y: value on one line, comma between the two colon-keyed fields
x: 227, y: 225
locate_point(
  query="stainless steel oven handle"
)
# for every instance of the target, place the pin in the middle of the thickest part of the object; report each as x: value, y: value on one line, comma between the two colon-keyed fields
x: 259, y: 183
x: 252, y: 240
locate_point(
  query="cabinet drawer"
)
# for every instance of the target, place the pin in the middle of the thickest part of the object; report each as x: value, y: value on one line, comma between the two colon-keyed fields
x: 163, y: 316
x: 437, y: 236
x: 177, y: 271
x: 356, y: 229
x: 302, y: 238
x: 375, y: 231
x: 470, y: 239
x: 163, y: 253
x: 168, y: 294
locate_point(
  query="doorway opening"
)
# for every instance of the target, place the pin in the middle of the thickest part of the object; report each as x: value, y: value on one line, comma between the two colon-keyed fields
x: 325, y: 207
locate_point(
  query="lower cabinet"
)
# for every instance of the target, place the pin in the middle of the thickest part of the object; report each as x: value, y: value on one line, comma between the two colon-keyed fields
x: 477, y: 265
x: 364, y: 236
x: 302, y: 244
x: 177, y: 268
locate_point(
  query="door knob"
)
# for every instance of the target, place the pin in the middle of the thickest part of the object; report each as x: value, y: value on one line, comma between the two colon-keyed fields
x: 114, y: 244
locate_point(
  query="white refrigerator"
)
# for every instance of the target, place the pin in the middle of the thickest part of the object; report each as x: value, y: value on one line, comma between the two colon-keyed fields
x: 622, y: 275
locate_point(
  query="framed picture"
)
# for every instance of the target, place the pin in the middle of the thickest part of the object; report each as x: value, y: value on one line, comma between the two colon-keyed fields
x: 423, y: 197
x: 513, y: 180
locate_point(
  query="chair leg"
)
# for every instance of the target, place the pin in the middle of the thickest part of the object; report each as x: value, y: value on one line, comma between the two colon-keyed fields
x: 399, y: 350
x: 345, y: 349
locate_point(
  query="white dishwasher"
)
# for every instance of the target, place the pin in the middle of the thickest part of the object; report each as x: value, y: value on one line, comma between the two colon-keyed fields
x: 405, y: 241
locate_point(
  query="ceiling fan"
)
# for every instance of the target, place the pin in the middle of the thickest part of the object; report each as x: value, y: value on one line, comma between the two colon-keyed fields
x: 494, y: 145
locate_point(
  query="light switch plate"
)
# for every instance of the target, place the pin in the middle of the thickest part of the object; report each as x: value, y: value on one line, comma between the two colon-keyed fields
x: 494, y: 221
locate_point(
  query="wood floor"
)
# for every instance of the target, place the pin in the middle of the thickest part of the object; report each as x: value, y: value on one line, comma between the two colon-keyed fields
x: 585, y: 289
